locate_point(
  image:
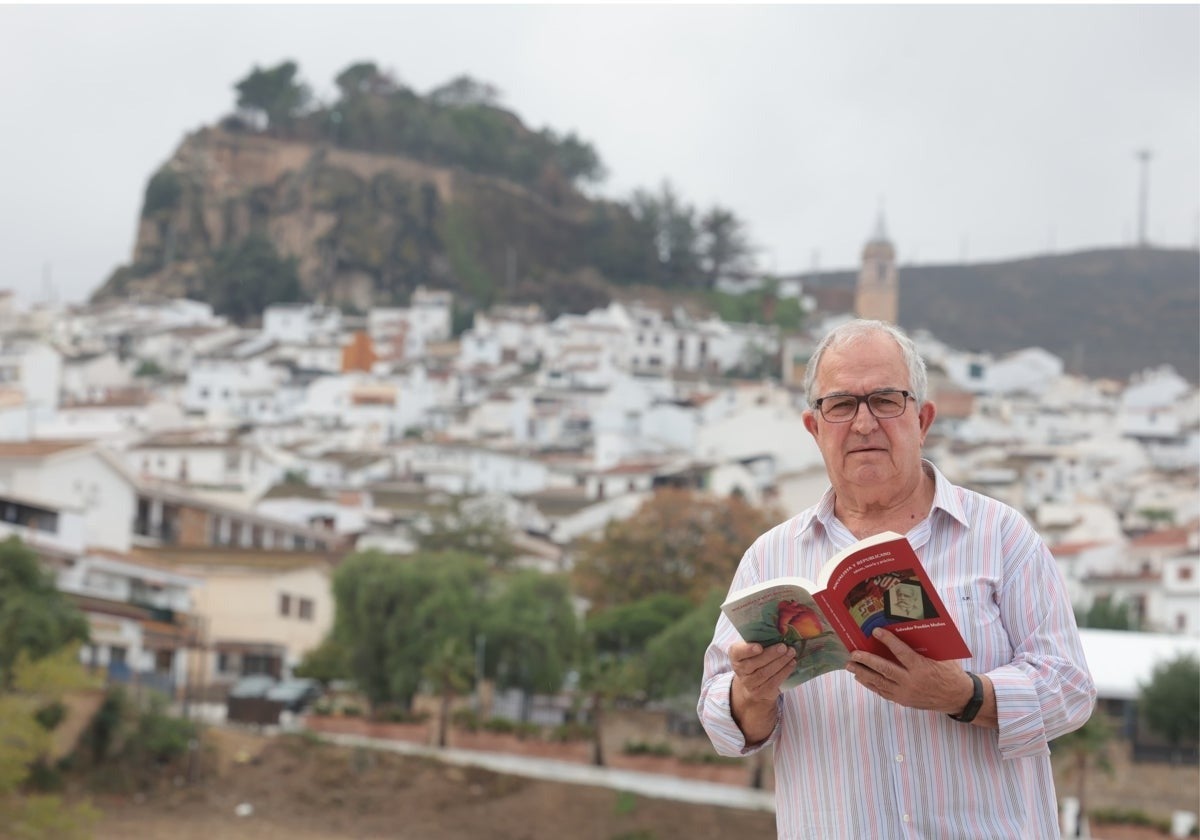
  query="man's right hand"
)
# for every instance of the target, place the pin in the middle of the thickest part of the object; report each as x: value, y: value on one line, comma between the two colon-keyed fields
x: 758, y: 675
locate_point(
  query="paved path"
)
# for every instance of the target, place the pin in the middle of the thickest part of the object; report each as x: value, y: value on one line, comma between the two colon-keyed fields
x: 657, y: 785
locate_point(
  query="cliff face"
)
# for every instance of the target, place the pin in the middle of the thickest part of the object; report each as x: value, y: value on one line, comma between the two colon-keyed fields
x: 364, y: 229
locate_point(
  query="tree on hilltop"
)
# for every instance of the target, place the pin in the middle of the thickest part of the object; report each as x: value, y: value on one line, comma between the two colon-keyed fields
x: 274, y: 92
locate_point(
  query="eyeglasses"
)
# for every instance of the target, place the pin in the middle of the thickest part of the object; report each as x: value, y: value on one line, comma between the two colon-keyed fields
x: 842, y: 408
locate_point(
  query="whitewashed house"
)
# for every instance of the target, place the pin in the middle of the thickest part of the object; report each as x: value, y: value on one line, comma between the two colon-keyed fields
x: 116, y: 417
x: 461, y: 469
x: 175, y: 348
x: 208, y: 457
x: 335, y: 469
x: 426, y: 320
x: 234, y: 387
x: 301, y: 323
x: 1161, y: 410
x: 34, y: 371
x: 1181, y: 594
x: 772, y: 425
x: 385, y: 407
x: 78, y: 476
x: 504, y: 333
x: 87, y: 375
x: 1032, y: 370
x: 50, y: 527
x: 139, y: 618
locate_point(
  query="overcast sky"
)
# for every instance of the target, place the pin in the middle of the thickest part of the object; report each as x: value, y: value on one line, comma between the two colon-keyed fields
x: 984, y: 132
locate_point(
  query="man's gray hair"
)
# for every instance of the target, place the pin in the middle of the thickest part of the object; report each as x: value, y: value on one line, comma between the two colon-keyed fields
x: 852, y: 331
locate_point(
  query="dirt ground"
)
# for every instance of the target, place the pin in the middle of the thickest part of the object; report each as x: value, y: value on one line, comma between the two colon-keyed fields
x: 301, y: 790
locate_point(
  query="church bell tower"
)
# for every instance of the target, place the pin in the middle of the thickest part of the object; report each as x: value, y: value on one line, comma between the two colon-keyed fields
x: 877, y: 294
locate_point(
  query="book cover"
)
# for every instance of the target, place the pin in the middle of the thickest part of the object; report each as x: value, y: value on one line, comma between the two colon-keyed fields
x: 877, y: 582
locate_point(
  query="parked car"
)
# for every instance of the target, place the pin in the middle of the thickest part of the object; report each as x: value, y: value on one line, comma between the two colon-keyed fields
x: 294, y: 694
x: 254, y: 685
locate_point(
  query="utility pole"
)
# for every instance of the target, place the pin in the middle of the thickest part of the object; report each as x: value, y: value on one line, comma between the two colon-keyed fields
x: 1143, y: 156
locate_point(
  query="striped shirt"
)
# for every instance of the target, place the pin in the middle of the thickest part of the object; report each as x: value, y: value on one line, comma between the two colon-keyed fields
x: 849, y: 764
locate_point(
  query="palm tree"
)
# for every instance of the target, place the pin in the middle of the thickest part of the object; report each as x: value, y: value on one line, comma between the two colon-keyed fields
x: 1087, y: 746
x: 450, y: 670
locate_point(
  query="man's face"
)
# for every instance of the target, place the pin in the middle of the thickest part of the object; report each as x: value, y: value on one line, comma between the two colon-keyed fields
x: 866, y: 452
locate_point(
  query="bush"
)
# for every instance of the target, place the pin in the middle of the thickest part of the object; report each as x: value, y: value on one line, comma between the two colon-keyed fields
x: 645, y: 748
x: 501, y: 726
x: 405, y: 716
x: 504, y: 726
x: 709, y: 757
x: 50, y: 715
x: 572, y: 732
x: 161, y: 736
x: 465, y: 719
x: 1129, y: 816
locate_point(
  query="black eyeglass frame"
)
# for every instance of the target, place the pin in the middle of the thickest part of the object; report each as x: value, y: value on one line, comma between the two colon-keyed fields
x: 864, y: 398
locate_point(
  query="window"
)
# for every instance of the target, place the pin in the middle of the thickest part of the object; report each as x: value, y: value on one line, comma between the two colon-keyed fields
x: 253, y: 663
x: 306, y: 609
x: 116, y: 655
x: 1185, y: 573
x: 163, y: 660
x: 285, y: 604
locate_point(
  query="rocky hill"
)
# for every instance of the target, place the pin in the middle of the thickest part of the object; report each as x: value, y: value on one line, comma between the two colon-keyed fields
x: 363, y: 228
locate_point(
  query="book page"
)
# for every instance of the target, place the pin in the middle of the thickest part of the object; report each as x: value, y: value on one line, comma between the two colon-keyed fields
x: 788, y: 614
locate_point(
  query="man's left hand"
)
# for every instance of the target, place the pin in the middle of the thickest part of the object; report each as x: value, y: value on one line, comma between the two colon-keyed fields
x: 914, y: 680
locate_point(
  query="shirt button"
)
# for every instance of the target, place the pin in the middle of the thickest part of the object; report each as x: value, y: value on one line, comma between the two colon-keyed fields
x: 899, y: 756
x: 907, y: 818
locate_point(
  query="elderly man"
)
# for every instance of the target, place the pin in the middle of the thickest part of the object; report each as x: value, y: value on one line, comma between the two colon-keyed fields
x: 915, y: 748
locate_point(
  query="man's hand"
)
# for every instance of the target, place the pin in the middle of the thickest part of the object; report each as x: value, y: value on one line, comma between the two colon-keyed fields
x: 914, y: 681
x: 758, y: 675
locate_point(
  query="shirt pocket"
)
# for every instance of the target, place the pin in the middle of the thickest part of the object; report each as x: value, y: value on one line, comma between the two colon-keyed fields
x: 974, y: 609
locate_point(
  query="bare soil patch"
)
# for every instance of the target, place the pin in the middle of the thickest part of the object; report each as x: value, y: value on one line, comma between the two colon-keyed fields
x: 304, y: 790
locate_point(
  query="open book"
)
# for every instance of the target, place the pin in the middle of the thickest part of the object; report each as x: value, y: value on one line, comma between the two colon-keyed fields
x: 877, y: 582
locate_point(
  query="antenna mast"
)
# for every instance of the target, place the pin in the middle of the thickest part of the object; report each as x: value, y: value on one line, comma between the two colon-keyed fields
x: 1143, y: 156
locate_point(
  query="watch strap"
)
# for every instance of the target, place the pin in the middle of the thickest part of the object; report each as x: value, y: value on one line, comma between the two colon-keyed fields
x: 974, y: 704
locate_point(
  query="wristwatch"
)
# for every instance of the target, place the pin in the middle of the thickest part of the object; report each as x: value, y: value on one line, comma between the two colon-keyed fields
x: 972, y: 708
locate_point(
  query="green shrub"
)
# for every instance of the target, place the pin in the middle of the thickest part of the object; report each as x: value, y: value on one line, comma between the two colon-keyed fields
x: 465, y: 719
x: 50, y: 715
x: 501, y: 726
x: 162, y: 192
x: 572, y: 732
x: 709, y: 757
x: 404, y: 716
x: 1129, y: 816
x: 161, y: 736
x: 646, y: 748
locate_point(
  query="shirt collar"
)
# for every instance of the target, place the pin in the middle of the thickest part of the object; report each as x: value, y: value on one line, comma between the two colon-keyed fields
x: 944, y: 499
